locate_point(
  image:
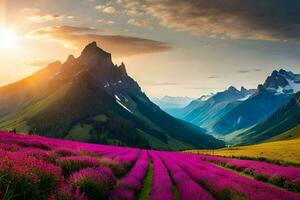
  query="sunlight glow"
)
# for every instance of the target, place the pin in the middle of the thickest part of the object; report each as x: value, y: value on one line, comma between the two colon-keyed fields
x: 8, y: 39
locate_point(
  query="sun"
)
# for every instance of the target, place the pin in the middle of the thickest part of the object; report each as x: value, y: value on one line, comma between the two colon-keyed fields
x: 8, y: 39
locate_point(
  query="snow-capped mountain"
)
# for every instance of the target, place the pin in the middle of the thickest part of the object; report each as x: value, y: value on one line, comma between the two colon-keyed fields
x: 206, y: 110
x: 283, y: 82
x: 277, y: 90
x: 206, y: 97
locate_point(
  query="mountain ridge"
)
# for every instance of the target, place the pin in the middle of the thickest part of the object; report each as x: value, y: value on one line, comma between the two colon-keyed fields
x: 91, y: 94
x: 205, y: 111
x: 270, y: 96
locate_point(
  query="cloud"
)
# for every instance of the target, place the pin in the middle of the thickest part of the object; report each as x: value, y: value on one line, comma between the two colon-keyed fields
x: 36, y: 15
x: 132, y: 7
x: 138, y: 22
x: 107, y: 22
x: 118, y: 45
x: 106, y: 8
x: 214, y: 77
x: 247, y: 71
x: 44, y: 18
x: 55, y: 32
x: 236, y: 19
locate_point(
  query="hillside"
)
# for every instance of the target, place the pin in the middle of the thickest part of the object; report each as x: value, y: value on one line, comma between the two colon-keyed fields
x: 293, y: 133
x: 90, y: 99
x: 285, y: 118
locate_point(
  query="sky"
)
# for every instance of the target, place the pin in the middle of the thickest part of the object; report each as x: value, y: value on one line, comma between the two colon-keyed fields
x: 171, y: 47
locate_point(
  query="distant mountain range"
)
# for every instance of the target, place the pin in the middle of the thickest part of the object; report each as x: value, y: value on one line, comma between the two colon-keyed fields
x: 248, y: 116
x: 277, y: 90
x: 90, y: 99
x: 169, y: 102
x: 207, y: 110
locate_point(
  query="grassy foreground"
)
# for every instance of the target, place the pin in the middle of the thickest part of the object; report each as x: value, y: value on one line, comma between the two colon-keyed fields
x: 286, y: 151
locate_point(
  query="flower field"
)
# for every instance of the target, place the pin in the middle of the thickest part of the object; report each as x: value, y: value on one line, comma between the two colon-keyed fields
x: 37, y: 168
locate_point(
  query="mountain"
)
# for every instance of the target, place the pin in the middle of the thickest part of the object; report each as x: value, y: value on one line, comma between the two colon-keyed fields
x: 169, y: 102
x: 205, y: 112
x: 90, y: 99
x: 290, y: 134
x: 282, y: 124
x: 181, y: 112
x: 276, y: 91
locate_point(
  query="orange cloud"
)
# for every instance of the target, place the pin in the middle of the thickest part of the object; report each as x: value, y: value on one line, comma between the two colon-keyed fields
x: 36, y: 15
x: 44, y: 18
x: 78, y: 37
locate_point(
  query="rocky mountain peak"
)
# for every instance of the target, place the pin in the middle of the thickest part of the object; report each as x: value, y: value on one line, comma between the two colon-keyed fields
x: 243, y: 89
x: 232, y: 89
x: 122, y: 68
x: 92, y: 48
x: 70, y: 59
x: 92, y: 54
x: 282, y: 82
x: 247, y: 92
x: 282, y: 71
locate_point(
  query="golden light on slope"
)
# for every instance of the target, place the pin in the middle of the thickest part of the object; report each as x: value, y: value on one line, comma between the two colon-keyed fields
x: 8, y: 39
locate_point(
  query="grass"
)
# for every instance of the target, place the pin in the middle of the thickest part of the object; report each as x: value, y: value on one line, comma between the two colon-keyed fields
x: 31, y: 107
x: 80, y: 133
x: 101, y: 118
x: 288, y: 135
x: 147, y: 182
x: 285, y: 152
x: 9, y: 192
x: 176, y: 192
x: 158, y: 144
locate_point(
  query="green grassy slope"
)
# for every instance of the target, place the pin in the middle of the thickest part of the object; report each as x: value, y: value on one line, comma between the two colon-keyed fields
x: 285, y: 118
x: 290, y: 134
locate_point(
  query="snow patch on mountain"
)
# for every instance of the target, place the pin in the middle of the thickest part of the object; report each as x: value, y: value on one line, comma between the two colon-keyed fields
x: 279, y: 91
x: 117, y: 97
x: 123, y: 106
x: 206, y: 97
x: 118, y: 100
x: 294, y: 84
x: 245, y: 98
x: 283, y: 82
x: 106, y: 85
